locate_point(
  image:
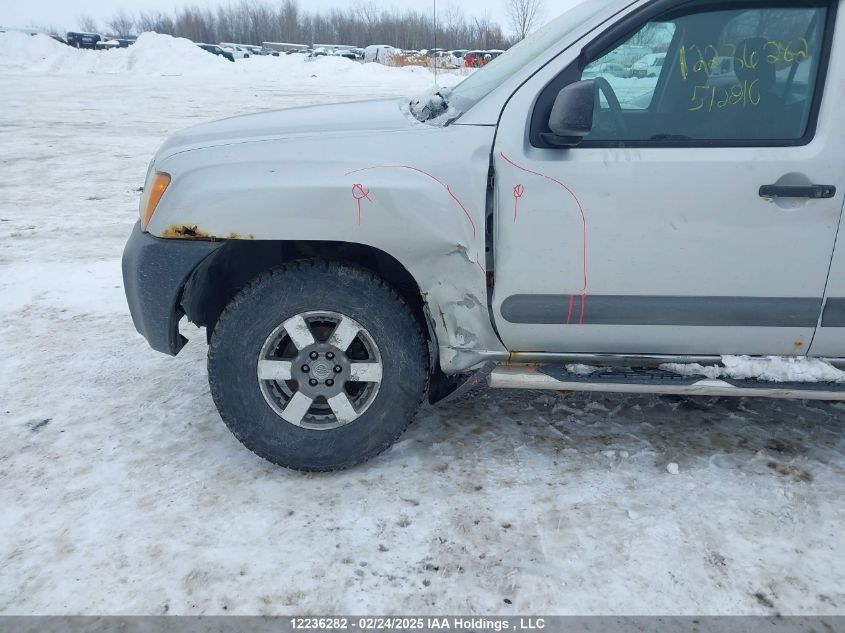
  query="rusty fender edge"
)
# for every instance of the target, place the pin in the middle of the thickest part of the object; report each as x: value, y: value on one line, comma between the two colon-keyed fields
x: 154, y: 272
x: 193, y: 232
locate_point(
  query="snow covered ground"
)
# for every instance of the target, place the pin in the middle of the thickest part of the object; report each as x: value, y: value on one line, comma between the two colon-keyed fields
x: 122, y: 492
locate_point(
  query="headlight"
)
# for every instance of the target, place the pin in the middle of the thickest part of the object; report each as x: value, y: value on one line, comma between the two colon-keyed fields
x: 153, y: 191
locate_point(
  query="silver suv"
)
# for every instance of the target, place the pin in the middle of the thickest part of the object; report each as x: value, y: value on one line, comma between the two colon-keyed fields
x: 350, y: 262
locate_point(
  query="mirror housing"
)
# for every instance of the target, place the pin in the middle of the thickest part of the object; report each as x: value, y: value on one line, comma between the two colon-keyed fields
x: 572, y: 114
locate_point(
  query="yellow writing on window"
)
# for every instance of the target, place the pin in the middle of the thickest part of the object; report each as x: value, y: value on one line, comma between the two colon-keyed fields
x: 708, y: 98
x: 712, y: 59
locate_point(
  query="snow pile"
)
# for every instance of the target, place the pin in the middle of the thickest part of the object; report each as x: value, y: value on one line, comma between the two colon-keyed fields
x: 152, y: 54
x: 769, y: 368
x: 156, y: 54
x: 21, y: 51
x: 163, y: 54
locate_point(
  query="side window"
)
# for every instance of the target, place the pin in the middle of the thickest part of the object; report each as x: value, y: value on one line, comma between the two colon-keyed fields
x: 710, y: 73
x: 634, y: 67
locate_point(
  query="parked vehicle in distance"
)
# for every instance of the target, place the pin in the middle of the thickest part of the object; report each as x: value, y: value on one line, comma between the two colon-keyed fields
x: 125, y: 42
x: 648, y: 66
x: 626, y: 55
x: 107, y: 44
x: 477, y: 58
x: 473, y: 59
x: 237, y: 51
x: 259, y: 51
x: 381, y: 53
x: 355, y: 54
x: 607, y: 69
x: 283, y: 47
x: 82, y: 40
x: 217, y: 50
x: 537, y: 226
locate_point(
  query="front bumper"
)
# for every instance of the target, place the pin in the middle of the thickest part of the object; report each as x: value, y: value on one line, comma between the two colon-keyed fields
x: 154, y: 272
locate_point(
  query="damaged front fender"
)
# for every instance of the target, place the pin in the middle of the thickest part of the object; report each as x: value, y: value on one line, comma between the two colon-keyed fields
x: 401, y: 192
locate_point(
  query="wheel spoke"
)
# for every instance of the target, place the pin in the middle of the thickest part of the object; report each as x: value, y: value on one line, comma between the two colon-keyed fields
x: 344, y: 334
x: 299, y: 332
x: 342, y: 408
x: 297, y: 408
x: 274, y: 370
x: 365, y: 372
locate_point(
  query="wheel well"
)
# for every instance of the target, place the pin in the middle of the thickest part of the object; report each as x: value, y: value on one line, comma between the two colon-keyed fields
x: 221, y: 276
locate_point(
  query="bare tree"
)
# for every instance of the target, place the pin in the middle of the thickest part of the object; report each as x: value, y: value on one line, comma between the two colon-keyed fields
x: 156, y: 21
x: 86, y: 23
x: 483, y: 27
x: 524, y: 16
x: 289, y: 22
x: 453, y: 22
x: 361, y: 24
x: 122, y: 24
x: 45, y: 28
x: 654, y: 35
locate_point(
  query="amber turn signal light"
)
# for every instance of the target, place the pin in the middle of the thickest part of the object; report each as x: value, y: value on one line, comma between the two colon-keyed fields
x: 152, y: 195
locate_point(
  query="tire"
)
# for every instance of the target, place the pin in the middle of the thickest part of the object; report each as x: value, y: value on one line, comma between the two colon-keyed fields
x: 258, y: 357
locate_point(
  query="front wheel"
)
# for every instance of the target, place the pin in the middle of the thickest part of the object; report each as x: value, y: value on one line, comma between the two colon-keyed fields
x: 317, y: 366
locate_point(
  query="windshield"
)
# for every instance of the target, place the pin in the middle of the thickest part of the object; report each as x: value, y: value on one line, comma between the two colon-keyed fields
x: 481, y: 83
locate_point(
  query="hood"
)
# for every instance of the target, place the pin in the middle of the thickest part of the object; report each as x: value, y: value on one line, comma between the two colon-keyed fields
x: 360, y: 117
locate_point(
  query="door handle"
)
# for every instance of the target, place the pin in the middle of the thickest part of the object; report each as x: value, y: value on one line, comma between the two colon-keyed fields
x: 803, y: 191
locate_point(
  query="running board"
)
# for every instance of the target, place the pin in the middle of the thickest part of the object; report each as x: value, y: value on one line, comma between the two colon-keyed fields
x: 628, y: 380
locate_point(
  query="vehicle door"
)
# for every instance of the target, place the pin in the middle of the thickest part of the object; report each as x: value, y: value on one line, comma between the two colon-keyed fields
x: 699, y: 214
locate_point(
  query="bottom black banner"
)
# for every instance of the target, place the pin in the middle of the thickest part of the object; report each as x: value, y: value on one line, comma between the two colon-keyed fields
x: 423, y: 624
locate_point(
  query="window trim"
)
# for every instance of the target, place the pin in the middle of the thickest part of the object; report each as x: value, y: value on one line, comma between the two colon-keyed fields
x: 621, y: 31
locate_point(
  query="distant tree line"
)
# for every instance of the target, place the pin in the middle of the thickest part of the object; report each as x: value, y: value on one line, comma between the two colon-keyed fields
x: 255, y: 21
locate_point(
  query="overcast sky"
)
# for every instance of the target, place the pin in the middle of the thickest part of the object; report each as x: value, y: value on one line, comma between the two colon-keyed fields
x: 62, y: 14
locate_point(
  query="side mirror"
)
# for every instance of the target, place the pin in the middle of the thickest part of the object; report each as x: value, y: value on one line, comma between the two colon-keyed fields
x: 572, y: 114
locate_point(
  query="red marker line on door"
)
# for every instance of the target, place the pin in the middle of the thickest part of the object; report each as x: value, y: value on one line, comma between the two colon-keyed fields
x: 416, y: 170
x: 359, y: 193
x: 583, y: 234
x: 518, y: 191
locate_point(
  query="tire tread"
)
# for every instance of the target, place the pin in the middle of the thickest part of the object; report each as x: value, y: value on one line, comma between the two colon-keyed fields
x: 303, y: 267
